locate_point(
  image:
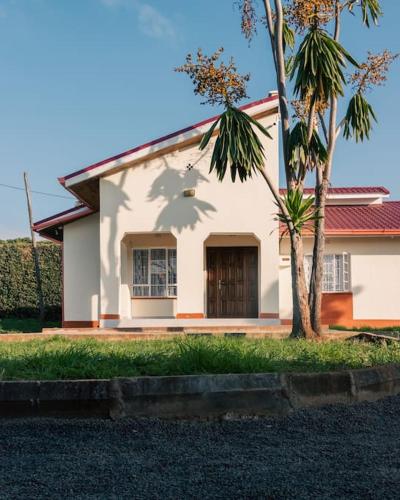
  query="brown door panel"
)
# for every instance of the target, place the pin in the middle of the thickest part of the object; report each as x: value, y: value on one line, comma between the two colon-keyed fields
x: 232, y: 282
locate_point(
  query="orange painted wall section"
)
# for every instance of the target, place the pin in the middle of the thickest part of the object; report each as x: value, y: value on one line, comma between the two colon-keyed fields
x: 337, y: 308
x: 80, y: 324
x: 372, y: 323
x: 269, y: 315
x: 190, y: 316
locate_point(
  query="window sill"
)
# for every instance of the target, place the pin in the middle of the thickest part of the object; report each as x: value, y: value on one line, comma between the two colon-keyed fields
x: 155, y: 298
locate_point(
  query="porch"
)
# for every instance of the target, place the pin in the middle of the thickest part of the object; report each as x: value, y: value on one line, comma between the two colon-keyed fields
x: 217, y: 280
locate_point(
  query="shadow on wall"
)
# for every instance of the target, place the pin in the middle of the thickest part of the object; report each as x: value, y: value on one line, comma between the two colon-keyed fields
x: 356, y: 290
x: 268, y: 297
x: 110, y: 273
x: 179, y: 212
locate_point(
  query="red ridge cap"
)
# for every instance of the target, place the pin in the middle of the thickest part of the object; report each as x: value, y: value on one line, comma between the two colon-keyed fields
x: 348, y: 190
x: 363, y: 232
x: 160, y: 139
x: 55, y: 216
x: 65, y: 216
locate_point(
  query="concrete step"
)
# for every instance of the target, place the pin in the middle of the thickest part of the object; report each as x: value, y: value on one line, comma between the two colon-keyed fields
x: 170, y: 330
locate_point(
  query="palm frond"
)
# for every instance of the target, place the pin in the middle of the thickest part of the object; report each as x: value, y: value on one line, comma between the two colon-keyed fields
x: 301, y: 213
x: 289, y: 64
x: 358, y: 120
x: 303, y: 153
x: 369, y: 9
x: 237, y: 145
x: 319, y: 65
x: 288, y: 36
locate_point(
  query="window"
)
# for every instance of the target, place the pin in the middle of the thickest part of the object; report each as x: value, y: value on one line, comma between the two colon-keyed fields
x: 336, y: 276
x: 154, y: 272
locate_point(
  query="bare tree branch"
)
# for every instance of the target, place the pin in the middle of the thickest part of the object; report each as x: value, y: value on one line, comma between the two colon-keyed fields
x: 270, y: 26
x: 281, y: 82
x: 275, y: 192
x: 323, y: 125
x: 311, y: 118
x: 332, y: 136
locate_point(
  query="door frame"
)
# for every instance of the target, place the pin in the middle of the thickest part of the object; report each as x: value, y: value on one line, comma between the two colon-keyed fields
x: 255, y: 248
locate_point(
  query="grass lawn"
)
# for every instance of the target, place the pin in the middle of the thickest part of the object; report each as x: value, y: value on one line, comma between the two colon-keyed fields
x: 21, y: 325
x: 59, y: 358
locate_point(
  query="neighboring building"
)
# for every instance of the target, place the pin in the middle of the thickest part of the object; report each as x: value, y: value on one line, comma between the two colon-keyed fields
x: 362, y: 260
x: 157, y: 236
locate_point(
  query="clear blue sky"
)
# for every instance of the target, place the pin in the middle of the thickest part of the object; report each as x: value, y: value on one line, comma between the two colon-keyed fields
x: 82, y: 80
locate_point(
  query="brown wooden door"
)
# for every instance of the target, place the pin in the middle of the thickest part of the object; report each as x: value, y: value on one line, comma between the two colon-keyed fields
x: 232, y: 284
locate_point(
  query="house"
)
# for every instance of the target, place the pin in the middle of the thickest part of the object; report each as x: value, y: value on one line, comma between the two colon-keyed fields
x: 157, y: 238
x: 361, y: 279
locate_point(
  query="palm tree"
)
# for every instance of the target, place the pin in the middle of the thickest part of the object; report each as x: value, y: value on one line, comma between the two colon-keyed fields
x: 317, y: 68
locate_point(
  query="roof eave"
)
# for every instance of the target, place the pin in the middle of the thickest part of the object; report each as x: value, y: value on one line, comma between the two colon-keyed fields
x: 62, y: 218
x: 158, y: 145
x: 353, y: 232
x: 364, y: 232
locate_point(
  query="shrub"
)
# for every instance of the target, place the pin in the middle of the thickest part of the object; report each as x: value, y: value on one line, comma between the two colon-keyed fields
x: 18, y: 288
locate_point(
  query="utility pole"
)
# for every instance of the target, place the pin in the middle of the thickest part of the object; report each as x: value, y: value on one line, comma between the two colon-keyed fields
x: 34, y: 249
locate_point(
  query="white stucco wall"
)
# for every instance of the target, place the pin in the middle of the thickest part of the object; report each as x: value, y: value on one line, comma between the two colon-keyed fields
x: 149, y: 198
x: 81, y: 261
x: 375, y: 276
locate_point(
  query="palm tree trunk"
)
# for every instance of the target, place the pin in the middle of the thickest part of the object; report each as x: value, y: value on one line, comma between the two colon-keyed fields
x: 315, y: 297
x: 323, y: 176
x: 302, y: 327
x: 301, y: 310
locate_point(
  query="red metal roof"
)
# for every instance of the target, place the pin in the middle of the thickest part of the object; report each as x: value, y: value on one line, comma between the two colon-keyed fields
x: 350, y: 190
x: 383, y: 217
x: 367, y: 220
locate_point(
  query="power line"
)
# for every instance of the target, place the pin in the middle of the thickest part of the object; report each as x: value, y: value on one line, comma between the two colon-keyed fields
x: 37, y: 192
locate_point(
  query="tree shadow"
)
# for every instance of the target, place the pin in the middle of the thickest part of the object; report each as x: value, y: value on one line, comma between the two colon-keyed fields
x: 179, y: 212
x: 176, y: 212
x: 111, y: 275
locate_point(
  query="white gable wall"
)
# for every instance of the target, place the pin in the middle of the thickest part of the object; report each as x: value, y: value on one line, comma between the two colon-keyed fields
x: 149, y: 198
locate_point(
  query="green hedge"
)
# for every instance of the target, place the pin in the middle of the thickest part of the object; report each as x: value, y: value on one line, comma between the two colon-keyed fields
x: 18, y: 290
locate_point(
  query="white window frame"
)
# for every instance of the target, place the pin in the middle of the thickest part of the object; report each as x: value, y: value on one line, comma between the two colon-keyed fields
x: 344, y: 284
x: 148, y: 284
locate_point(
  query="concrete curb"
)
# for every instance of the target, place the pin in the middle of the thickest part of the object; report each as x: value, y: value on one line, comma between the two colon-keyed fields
x: 197, y: 396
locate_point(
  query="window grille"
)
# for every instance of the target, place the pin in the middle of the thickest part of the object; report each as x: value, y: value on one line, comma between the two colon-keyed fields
x: 154, y: 272
x: 336, y: 273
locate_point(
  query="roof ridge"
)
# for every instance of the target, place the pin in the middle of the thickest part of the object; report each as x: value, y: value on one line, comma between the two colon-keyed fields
x: 345, y: 187
x: 161, y: 139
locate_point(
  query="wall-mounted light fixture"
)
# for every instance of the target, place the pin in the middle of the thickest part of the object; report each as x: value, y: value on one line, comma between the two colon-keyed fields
x: 189, y: 193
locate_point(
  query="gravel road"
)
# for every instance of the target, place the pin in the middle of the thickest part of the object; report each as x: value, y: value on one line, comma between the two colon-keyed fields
x: 333, y: 452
